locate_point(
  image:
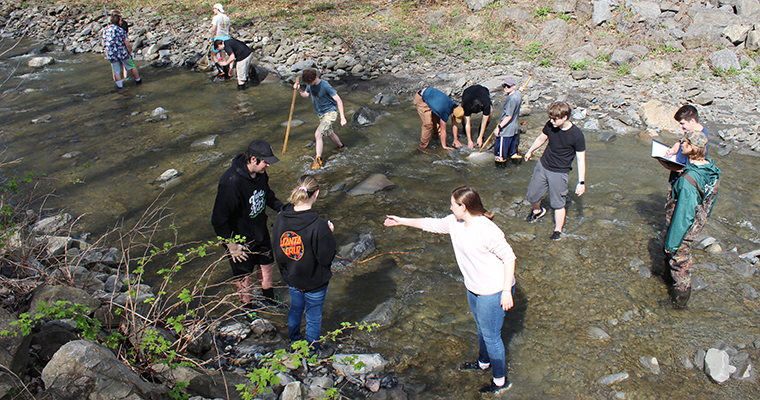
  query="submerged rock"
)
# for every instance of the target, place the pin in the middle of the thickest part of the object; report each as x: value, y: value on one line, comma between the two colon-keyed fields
x: 43, y: 119
x: 39, y: 62
x: 375, y: 183
x: 614, y: 378
x: 168, y: 175
x: 651, y: 364
x: 158, y: 111
x: 366, y: 116
x: 384, y: 313
x: 356, y: 249
x: 208, y: 141
x: 597, y: 333
x: 293, y: 123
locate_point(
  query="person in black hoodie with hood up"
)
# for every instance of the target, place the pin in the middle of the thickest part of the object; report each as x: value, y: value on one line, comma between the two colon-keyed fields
x: 239, y: 211
x: 304, y: 251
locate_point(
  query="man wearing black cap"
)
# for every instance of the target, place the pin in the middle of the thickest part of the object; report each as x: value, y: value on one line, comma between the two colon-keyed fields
x: 239, y: 212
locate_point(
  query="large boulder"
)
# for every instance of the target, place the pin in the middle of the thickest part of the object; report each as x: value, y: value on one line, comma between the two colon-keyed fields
x: 724, y: 59
x: 655, y: 114
x: 160, y: 45
x: 650, y: 68
x: 587, y: 52
x: 366, y: 116
x: 84, y: 370
x: 747, y: 8
x: 477, y: 5
x: 79, y: 277
x: 39, y: 62
x: 602, y: 12
x: 715, y: 17
x: 51, y: 294
x: 701, y: 35
x: 209, y: 384
x: 515, y: 13
x: 736, y: 33
x: 564, y: 6
x: 753, y: 41
x: 650, y: 11
x: 14, y: 348
x: 621, y: 57
x: 555, y: 35
x: 51, y: 225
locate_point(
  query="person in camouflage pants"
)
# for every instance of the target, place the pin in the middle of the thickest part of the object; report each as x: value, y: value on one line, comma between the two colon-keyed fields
x: 690, y: 203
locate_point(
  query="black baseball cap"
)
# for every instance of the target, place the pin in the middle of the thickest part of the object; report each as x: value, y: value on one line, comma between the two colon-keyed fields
x: 262, y: 151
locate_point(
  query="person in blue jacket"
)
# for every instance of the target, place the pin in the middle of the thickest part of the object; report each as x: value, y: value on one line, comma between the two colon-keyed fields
x: 435, y: 108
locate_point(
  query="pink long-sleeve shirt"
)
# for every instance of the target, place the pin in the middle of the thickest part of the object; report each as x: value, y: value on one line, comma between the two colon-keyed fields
x: 480, y: 249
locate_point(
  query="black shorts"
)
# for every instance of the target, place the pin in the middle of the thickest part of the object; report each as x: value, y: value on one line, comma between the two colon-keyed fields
x: 260, y: 253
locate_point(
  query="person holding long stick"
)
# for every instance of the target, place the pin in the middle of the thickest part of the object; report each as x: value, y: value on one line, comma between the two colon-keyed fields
x: 487, y: 263
x: 327, y: 104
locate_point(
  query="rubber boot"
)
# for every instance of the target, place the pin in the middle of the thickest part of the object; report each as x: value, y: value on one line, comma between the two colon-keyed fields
x: 679, y: 298
x: 241, y: 87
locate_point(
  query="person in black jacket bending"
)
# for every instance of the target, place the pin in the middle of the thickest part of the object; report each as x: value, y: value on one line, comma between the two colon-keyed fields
x: 239, y: 211
x: 305, y: 250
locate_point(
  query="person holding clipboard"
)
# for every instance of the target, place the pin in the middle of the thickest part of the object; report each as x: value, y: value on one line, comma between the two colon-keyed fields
x: 688, y: 117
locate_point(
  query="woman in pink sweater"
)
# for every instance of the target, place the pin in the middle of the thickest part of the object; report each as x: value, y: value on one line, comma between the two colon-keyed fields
x: 487, y: 263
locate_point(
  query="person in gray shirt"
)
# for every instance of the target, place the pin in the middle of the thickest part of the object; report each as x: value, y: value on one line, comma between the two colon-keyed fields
x: 506, y: 132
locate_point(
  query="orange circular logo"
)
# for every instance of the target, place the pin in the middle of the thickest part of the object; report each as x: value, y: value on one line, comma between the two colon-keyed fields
x: 292, y: 245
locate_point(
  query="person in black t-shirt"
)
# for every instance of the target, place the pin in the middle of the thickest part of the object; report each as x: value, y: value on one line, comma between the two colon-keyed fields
x: 240, y: 54
x: 476, y: 99
x: 565, y: 142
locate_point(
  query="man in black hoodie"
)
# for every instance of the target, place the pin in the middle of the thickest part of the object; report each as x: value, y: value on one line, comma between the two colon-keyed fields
x: 239, y: 212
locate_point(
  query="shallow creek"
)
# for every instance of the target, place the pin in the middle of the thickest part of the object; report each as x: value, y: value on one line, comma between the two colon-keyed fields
x: 591, y: 278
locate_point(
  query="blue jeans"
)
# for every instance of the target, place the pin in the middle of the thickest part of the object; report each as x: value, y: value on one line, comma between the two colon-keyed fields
x: 489, y: 318
x: 310, y: 303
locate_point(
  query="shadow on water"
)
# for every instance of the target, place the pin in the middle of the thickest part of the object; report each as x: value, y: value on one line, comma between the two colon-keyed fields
x: 513, y: 321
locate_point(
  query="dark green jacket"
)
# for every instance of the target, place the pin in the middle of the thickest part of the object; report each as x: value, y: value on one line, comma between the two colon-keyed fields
x: 687, y: 208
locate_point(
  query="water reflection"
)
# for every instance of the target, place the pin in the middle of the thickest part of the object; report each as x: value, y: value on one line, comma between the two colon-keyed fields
x: 592, y: 278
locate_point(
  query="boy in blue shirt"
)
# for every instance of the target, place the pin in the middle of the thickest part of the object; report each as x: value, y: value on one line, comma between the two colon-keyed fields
x: 328, y: 104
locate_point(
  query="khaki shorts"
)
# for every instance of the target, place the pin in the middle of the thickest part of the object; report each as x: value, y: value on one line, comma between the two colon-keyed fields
x: 242, y: 68
x: 326, y: 121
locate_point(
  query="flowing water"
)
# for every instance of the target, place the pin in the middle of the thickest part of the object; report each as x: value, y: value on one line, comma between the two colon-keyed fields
x: 590, y: 278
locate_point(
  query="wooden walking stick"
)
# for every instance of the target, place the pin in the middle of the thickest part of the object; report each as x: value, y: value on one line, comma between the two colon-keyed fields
x: 489, y: 138
x: 290, y: 118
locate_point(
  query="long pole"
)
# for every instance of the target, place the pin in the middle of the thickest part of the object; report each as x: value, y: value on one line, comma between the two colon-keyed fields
x: 489, y: 137
x: 290, y: 117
